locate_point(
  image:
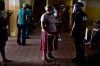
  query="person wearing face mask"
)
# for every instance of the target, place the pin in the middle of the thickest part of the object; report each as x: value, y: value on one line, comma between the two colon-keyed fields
x: 4, y: 16
x: 48, y: 34
x: 78, y: 32
x: 57, y: 16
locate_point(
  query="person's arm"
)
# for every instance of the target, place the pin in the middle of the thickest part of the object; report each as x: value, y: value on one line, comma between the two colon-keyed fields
x: 72, y: 25
x: 43, y: 23
x: 7, y: 15
x: 17, y: 18
x: 43, y: 26
x: 71, y: 34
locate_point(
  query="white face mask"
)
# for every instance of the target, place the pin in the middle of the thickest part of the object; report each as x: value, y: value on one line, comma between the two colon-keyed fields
x: 55, y: 14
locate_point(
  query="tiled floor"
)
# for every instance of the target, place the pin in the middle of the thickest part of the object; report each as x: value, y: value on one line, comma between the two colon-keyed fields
x: 30, y: 55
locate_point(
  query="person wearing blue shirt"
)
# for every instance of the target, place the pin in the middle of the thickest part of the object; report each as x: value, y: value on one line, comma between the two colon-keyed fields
x: 29, y: 14
x: 21, y: 24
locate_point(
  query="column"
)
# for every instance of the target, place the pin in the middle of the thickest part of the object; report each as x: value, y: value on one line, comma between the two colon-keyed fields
x: 48, y: 2
x: 70, y: 3
x: 14, y: 5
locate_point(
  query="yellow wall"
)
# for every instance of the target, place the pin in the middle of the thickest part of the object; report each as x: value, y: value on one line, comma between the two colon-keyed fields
x: 93, y: 13
x: 92, y: 10
x: 13, y: 26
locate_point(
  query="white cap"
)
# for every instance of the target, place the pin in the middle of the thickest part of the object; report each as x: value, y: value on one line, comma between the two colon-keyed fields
x: 24, y: 5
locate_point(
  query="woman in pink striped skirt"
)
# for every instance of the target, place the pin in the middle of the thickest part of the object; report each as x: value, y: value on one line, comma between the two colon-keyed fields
x: 48, y: 34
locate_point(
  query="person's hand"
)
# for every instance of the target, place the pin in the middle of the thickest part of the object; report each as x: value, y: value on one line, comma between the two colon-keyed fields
x: 49, y: 34
x: 9, y: 12
x: 71, y: 34
x: 43, y: 30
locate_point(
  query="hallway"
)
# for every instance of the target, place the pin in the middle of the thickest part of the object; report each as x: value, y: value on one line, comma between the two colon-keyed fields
x: 30, y: 55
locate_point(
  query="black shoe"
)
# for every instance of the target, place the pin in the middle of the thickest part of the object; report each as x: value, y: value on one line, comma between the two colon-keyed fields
x: 51, y: 57
x: 19, y: 43
x: 23, y: 43
x: 27, y: 37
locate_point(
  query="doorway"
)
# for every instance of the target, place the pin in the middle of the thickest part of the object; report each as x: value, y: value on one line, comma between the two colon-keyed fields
x: 38, y: 9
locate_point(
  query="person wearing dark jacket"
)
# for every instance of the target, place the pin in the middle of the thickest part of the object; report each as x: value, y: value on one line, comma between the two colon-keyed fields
x: 78, y: 32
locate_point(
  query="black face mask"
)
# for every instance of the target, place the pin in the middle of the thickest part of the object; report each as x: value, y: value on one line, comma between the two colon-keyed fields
x: 2, y: 6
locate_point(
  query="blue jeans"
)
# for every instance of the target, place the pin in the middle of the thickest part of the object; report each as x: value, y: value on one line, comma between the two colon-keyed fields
x: 27, y: 30
x: 21, y: 28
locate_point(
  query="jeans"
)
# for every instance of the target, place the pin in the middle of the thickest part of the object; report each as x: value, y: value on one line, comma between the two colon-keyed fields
x: 21, y: 28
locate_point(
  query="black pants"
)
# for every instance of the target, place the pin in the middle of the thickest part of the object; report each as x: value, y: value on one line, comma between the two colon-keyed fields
x: 3, y: 39
x: 79, y: 45
x: 23, y: 29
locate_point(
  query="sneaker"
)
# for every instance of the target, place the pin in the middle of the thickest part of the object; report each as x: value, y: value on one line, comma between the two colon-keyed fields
x: 6, y: 60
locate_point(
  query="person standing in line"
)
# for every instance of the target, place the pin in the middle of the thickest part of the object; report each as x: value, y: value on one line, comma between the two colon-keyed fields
x: 21, y: 25
x: 29, y: 14
x: 78, y: 32
x: 65, y: 19
x: 4, y: 16
x: 49, y: 40
x: 58, y: 15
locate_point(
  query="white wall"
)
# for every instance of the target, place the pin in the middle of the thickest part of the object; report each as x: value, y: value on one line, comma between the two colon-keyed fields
x: 11, y: 2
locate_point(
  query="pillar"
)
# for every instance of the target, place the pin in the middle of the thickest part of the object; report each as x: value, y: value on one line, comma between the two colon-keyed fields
x: 70, y: 3
x: 14, y: 5
x: 48, y: 2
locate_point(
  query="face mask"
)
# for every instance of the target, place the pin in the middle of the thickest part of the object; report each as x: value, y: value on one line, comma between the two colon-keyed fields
x: 52, y: 11
x: 55, y: 14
